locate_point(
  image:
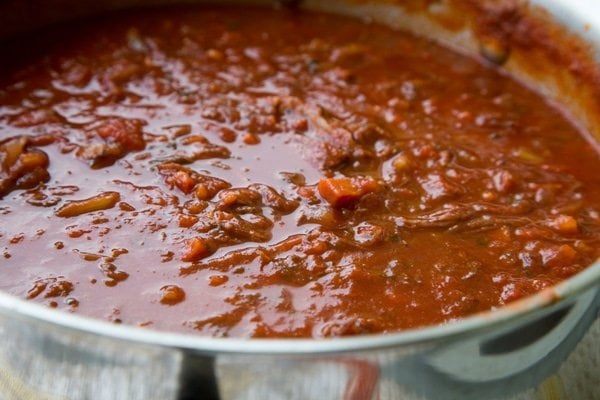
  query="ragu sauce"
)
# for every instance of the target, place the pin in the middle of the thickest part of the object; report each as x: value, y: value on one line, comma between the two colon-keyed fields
x: 259, y: 173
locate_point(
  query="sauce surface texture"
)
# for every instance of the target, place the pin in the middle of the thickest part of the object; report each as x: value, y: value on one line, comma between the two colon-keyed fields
x: 260, y: 173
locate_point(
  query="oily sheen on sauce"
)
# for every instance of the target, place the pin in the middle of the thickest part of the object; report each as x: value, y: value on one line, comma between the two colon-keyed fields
x: 262, y: 173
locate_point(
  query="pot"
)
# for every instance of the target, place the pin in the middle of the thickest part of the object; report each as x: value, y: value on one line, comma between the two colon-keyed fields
x: 55, y: 355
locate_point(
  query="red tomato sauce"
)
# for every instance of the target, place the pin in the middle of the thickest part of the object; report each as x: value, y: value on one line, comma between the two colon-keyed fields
x: 260, y: 173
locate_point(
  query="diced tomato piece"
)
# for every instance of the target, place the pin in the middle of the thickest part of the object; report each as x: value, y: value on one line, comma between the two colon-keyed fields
x: 565, y: 224
x: 217, y: 280
x: 171, y: 295
x: 196, y: 250
x: 560, y: 256
x: 127, y: 132
x: 202, y: 192
x: 187, y: 221
x: 345, y: 192
x: 184, y: 181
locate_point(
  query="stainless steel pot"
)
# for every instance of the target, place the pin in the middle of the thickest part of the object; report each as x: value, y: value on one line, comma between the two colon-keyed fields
x: 54, y: 355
